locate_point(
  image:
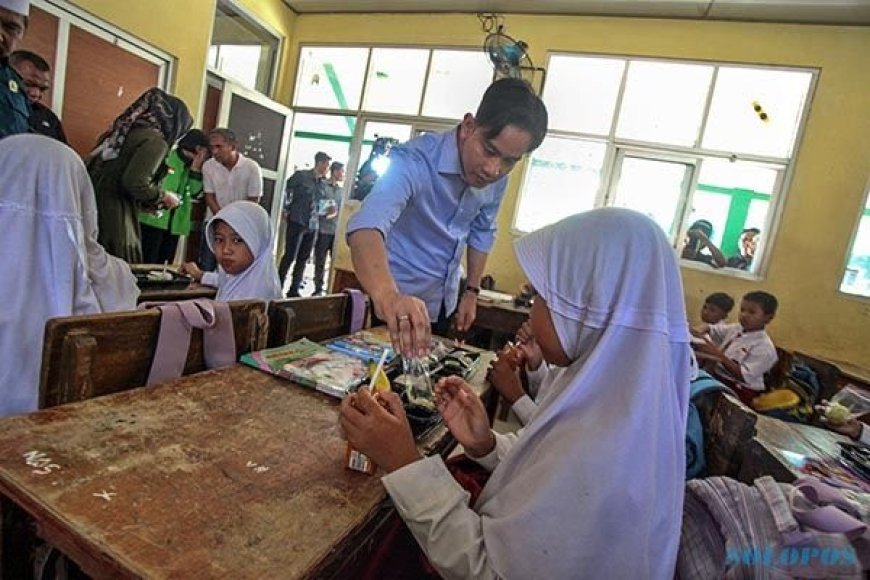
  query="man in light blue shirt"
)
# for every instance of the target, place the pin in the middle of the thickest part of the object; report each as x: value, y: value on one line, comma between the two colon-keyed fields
x: 438, y: 200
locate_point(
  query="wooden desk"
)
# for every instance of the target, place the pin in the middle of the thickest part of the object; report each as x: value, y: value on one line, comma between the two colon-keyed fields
x: 224, y: 474
x: 173, y: 295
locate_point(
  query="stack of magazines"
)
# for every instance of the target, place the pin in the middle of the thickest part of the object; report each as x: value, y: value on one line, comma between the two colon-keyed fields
x: 364, y: 345
x: 311, y: 364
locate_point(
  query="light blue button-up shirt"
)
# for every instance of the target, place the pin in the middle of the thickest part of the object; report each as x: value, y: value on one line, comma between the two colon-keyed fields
x: 427, y: 215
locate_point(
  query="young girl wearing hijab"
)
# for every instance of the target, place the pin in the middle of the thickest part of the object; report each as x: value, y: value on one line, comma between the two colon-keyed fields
x: 54, y: 265
x: 127, y: 168
x: 240, y: 235
x: 593, y: 486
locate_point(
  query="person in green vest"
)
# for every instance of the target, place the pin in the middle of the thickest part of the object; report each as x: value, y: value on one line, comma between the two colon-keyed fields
x: 162, y: 228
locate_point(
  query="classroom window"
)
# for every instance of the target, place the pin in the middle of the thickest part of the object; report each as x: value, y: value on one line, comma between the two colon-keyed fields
x: 395, y: 80
x: 680, y: 141
x: 563, y: 178
x: 456, y: 81
x: 330, y: 77
x: 242, y: 49
x: 856, y: 279
x: 312, y: 132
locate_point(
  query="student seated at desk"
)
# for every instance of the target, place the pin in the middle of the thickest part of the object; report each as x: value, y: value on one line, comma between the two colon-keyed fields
x: 52, y: 261
x: 743, y: 351
x: 594, y: 485
x: 717, y: 306
x: 504, y: 374
x: 240, y: 236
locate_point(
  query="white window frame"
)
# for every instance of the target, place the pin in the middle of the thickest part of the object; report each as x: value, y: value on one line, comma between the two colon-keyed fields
x: 615, y: 144
x: 855, y: 228
x: 254, y: 20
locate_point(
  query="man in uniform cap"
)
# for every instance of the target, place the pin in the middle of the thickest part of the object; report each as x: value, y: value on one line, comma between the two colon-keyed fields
x: 14, y: 109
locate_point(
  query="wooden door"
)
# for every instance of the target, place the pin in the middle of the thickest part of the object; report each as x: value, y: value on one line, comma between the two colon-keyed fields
x: 102, y: 80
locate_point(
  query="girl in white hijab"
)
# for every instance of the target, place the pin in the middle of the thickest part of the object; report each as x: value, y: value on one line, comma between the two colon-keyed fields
x: 240, y: 235
x: 54, y: 265
x: 593, y: 487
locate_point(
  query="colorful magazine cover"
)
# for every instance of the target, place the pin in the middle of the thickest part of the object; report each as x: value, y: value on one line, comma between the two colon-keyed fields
x: 364, y: 345
x: 310, y: 364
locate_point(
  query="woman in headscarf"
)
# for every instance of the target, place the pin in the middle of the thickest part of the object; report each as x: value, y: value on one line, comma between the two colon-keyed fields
x: 593, y: 486
x: 54, y: 265
x: 240, y: 235
x: 127, y: 167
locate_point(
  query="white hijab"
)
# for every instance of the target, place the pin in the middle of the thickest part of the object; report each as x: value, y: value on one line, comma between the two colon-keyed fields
x: 260, y: 279
x: 53, y: 263
x: 594, y: 485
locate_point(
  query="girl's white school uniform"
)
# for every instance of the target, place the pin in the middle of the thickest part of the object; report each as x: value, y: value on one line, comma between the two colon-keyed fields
x: 593, y: 487
x: 52, y: 261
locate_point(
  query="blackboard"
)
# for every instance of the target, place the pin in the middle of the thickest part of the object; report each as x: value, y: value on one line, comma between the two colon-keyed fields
x: 268, y: 194
x: 259, y: 130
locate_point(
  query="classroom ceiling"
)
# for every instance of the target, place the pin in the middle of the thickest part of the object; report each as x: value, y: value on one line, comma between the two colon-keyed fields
x: 852, y: 12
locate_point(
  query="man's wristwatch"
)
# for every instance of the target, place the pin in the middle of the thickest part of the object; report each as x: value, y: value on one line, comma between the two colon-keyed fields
x: 472, y: 289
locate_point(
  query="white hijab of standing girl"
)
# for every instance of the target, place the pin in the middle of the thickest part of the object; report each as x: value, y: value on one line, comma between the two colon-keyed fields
x: 54, y: 265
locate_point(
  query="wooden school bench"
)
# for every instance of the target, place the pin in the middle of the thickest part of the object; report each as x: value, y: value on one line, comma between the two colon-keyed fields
x: 92, y: 355
x: 227, y: 473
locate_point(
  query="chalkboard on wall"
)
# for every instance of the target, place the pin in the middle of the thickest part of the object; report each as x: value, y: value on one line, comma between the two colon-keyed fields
x: 259, y: 130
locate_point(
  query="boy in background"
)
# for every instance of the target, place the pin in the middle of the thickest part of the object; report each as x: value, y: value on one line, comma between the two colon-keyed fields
x: 716, y: 308
x: 743, y: 351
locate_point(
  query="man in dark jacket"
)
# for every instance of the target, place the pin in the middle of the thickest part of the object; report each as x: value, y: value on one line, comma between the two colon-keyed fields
x: 14, y: 110
x: 304, y: 190
x: 36, y: 74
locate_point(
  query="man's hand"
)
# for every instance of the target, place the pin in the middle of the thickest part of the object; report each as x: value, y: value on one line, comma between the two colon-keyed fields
x: 170, y: 200
x: 408, y: 321
x: 466, y: 312
x: 377, y: 426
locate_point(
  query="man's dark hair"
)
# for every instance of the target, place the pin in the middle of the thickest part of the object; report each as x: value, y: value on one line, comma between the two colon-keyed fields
x: 320, y: 157
x: 37, y: 61
x: 767, y: 301
x: 720, y: 300
x: 512, y: 102
x: 336, y: 165
x: 193, y: 139
x: 226, y: 134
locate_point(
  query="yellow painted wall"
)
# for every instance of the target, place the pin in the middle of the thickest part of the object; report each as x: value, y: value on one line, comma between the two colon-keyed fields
x: 832, y: 168
x: 183, y: 29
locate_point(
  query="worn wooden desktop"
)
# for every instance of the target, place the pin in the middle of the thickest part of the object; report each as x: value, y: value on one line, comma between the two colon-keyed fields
x: 229, y: 473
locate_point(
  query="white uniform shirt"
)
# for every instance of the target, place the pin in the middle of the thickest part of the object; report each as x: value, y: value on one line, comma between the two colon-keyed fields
x: 241, y: 182
x: 753, y: 351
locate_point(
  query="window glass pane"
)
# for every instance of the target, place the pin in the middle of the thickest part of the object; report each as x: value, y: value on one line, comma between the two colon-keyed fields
x: 652, y: 187
x: 395, y: 81
x: 378, y: 140
x: 457, y: 81
x: 562, y: 179
x: 331, y: 134
x: 856, y: 279
x: 240, y: 63
x: 664, y: 102
x: 733, y: 197
x: 330, y: 78
x: 242, y: 49
x: 735, y: 125
x: 580, y: 93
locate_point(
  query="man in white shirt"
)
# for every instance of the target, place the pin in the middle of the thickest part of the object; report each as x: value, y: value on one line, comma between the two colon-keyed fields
x: 227, y: 177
